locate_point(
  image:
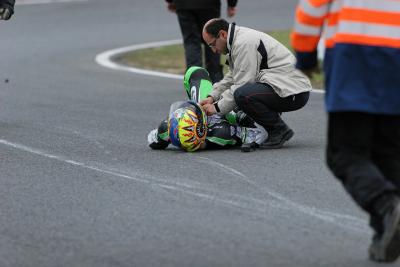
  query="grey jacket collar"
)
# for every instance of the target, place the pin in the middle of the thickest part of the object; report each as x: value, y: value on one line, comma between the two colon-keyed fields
x: 231, y: 34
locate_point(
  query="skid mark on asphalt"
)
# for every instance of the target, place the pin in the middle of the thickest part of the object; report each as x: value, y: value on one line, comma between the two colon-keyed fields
x: 253, y: 206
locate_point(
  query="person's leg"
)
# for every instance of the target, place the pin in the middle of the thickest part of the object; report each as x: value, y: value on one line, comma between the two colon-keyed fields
x: 264, y: 106
x: 386, y: 156
x: 221, y: 133
x: 192, y: 39
x: 386, y: 149
x: 197, y: 83
x: 349, y: 156
x: 212, y: 60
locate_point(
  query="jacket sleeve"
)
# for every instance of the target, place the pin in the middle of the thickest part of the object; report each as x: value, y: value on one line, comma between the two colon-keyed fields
x: 247, y: 64
x: 309, y: 20
x: 221, y: 86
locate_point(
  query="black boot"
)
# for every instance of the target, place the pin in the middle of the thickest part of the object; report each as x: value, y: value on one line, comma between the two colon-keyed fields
x: 278, y: 136
x: 249, y: 147
x: 385, y: 246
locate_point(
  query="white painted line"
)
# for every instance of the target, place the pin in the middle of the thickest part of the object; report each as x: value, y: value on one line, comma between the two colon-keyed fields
x: 248, y: 204
x: 39, y: 2
x: 226, y: 169
x: 335, y: 218
x: 105, y: 59
x: 62, y: 159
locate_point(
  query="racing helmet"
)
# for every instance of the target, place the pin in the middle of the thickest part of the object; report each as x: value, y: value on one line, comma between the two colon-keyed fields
x: 187, y: 125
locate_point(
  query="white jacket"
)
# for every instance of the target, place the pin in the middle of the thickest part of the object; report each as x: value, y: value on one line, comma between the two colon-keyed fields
x: 257, y: 57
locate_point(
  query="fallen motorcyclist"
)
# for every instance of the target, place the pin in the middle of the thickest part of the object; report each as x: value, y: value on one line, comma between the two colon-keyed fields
x: 189, y: 128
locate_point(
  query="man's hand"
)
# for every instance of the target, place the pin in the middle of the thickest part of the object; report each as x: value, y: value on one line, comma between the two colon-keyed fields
x: 231, y: 11
x: 209, y: 109
x: 208, y: 100
x: 5, y: 13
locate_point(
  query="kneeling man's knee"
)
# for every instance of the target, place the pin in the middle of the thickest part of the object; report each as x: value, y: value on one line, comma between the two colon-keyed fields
x: 240, y: 94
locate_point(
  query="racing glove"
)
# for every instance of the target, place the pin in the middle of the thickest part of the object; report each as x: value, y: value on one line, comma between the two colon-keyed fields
x: 6, y: 10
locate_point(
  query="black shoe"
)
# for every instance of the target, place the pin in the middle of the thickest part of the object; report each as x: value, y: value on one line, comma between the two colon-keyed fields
x: 248, y: 147
x: 277, y: 138
x: 386, y: 246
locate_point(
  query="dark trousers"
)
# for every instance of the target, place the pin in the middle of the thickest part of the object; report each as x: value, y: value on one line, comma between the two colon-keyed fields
x: 363, y: 152
x: 192, y: 23
x: 263, y: 105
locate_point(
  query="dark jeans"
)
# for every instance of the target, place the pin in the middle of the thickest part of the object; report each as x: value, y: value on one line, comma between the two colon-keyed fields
x: 263, y: 105
x: 363, y: 152
x: 191, y: 23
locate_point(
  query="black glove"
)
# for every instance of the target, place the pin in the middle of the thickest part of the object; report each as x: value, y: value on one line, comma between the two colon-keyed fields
x: 159, y: 145
x: 6, y: 9
x: 6, y: 12
x: 155, y: 142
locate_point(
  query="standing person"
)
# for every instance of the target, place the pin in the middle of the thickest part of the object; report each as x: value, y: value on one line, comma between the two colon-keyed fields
x: 362, y: 69
x: 192, y: 15
x: 262, y: 81
x: 6, y: 9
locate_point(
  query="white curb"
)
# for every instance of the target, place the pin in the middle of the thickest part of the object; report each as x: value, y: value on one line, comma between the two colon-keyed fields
x: 105, y: 59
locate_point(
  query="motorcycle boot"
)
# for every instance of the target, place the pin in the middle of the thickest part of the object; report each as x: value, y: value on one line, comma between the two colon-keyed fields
x: 385, y: 246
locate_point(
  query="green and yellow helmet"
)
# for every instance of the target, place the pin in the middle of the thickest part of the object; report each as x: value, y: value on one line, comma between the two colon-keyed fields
x: 187, y: 125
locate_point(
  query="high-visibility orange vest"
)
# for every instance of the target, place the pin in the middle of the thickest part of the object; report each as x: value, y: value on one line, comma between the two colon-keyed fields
x: 362, y: 56
x: 363, y: 22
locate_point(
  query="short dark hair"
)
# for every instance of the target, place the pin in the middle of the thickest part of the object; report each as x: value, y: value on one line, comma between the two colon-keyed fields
x: 216, y: 25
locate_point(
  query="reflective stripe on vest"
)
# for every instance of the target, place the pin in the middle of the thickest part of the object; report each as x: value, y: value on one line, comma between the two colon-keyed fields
x: 313, y: 10
x: 364, y: 22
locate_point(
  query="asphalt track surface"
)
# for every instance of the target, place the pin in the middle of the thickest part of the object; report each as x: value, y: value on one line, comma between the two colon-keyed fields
x: 80, y: 187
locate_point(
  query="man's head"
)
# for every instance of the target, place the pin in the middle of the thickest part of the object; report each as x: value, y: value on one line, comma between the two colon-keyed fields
x: 215, y: 34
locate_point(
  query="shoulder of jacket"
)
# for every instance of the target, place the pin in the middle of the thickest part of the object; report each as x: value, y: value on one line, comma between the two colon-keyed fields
x: 246, y: 37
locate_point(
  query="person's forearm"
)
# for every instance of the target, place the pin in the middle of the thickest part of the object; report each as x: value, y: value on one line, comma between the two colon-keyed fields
x: 221, y: 86
x: 226, y: 104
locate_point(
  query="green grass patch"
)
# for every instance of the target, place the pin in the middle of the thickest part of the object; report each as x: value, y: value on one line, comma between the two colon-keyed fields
x: 171, y: 58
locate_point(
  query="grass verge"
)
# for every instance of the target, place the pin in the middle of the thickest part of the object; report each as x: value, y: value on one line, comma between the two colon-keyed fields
x: 171, y: 58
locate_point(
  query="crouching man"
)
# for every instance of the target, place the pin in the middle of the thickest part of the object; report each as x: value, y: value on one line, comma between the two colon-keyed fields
x: 262, y: 80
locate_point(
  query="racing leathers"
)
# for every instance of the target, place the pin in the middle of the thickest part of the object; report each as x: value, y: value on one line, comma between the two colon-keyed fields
x: 220, y: 133
x: 231, y: 130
